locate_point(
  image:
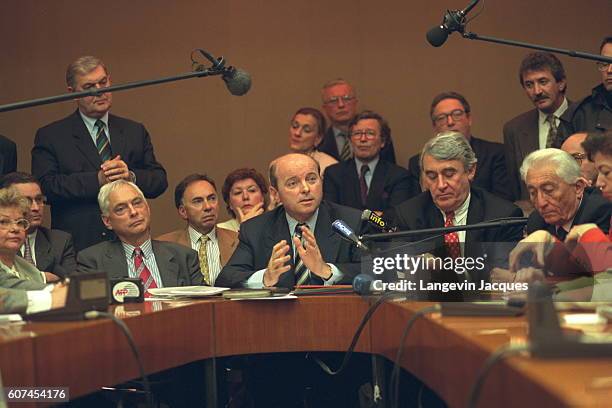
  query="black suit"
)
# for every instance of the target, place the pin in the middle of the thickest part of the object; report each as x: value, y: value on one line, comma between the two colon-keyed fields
x: 390, y: 185
x: 66, y: 162
x: 522, y: 136
x: 178, y: 265
x: 54, y: 252
x: 594, y: 208
x: 258, y: 236
x: 491, y: 174
x: 421, y: 213
x: 8, y: 155
x: 328, y: 145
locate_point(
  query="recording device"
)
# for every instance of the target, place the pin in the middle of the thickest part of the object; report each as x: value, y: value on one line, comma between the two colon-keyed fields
x: 237, y: 81
x: 127, y: 290
x: 547, y: 339
x: 453, y: 20
x: 363, y: 284
x: 86, y: 292
x: 342, y: 229
x: 375, y: 219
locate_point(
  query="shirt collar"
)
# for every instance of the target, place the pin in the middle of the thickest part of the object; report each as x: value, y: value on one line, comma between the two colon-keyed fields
x: 560, y: 111
x: 460, y: 212
x: 195, y: 235
x: 371, y: 164
x: 146, y: 248
x: 90, y: 123
x: 311, y: 222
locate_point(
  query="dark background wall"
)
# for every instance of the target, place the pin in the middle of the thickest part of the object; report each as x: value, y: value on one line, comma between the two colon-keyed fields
x: 290, y: 48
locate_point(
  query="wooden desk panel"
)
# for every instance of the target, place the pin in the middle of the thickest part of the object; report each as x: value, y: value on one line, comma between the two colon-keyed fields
x: 323, y: 323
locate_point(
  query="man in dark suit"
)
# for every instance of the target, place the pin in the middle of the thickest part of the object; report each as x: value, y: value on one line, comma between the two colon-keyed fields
x: 594, y: 113
x: 367, y: 180
x: 340, y: 105
x: 73, y: 157
x: 159, y: 264
x: 8, y: 155
x: 50, y: 250
x: 449, y: 166
x: 197, y: 203
x: 270, y: 251
x: 560, y: 196
x: 542, y: 77
x: 450, y: 111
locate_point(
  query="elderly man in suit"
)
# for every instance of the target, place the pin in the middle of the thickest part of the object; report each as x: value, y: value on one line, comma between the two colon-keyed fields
x: 367, y: 180
x: 542, y: 77
x: 451, y: 111
x: 197, y: 202
x: 449, y: 166
x: 73, y: 157
x: 133, y: 254
x: 294, y: 244
x: 50, y: 250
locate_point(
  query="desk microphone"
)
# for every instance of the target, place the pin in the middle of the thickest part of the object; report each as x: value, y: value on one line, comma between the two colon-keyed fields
x: 341, y: 228
x: 378, y: 221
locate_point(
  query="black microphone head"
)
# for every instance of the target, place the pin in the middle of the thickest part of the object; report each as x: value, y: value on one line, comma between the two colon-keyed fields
x: 365, y: 215
x: 237, y: 81
x: 362, y: 284
x: 437, y: 36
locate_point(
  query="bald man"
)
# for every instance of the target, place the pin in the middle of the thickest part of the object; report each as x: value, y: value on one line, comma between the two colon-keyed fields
x: 573, y: 145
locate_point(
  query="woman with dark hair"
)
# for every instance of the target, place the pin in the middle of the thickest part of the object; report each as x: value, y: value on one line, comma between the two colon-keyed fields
x: 305, y: 134
x: 245, y: 193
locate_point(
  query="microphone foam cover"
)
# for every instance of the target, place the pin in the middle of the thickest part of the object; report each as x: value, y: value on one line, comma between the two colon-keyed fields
x: 238, y: 82
x: 362, y: 284
x: 437, y: 36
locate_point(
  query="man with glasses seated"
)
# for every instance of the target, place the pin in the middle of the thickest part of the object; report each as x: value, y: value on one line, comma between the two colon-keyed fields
x: 50, y: 250
x: 450, y: 111
x: 594, y: 113
x: 339, y: 102
x: 573, y: 145
x: 543, y: 79
x: 367, y: 180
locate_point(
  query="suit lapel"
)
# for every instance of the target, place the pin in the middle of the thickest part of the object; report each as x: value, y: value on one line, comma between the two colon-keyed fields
x: 530, y: 140
x: 83, y: 141
x: 376, y: 191
x: 167, y: 265
x: 117, y: 140
x: 114, y: 262
x: 227, y: 244
x: 42, y: 248
x: 475, y: 215
x: 352, y: 183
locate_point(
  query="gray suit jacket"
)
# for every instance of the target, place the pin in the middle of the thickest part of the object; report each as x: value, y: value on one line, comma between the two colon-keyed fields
x: 178, y: 266
x: 55, y: 252
x: 13, y: 297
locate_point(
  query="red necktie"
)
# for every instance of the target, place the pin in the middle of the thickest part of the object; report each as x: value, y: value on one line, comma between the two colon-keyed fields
x: 452, y: 239
x: 363, y: 186
x: 143, y: 272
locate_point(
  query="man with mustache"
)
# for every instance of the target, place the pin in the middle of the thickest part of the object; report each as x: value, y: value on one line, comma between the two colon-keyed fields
x: 542, y: 77
x: 294, y: 243
x: 197, y: 203
x: 134, y: 254
x: 73, y: 157
x: 594, y: 112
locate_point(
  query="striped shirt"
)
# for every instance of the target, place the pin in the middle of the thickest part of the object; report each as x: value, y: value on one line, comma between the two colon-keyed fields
x: 148, y: 257
x: 212, y: 251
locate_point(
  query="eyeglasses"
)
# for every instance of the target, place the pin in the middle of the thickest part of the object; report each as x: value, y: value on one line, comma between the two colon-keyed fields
x: 579, y: 157
x: 443, y: 117
x: 603, y: 66
x: 39, y: 199
x: 369, y: 133
x: 335, y: 99
x: 7, y: 223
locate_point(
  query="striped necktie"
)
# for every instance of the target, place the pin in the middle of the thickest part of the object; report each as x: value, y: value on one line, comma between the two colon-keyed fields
x: 102, y: 143
x: 143, y: 272
x: 346, y: 152
x: 27, y: 251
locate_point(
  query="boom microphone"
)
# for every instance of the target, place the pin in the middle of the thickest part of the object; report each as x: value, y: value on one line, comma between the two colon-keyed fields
x: 347, y: 233
x: 237, y: 81
x: 453, y: 20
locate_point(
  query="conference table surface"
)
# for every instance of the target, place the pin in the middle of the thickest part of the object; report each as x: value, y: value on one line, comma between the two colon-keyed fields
x: 444, y: 352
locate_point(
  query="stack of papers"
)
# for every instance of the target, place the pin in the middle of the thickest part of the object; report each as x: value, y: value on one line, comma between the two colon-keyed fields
x: 186, y: 291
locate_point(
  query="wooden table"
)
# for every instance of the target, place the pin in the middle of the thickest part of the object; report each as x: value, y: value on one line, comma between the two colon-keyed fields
x: 445, y: 352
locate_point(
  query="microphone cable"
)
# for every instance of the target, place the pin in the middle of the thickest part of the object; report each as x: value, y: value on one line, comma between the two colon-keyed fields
x: 94, y: 314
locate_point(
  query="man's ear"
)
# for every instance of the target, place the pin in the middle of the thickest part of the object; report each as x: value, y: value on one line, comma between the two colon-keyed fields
x: 106, y: 221
x: 581, y: 184
x: 472, y: 172
x: 183, y: 212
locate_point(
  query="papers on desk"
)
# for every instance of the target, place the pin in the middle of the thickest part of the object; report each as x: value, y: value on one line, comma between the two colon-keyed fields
x: 186, y: 291
x: 10, y: 318
x: 288, y: 296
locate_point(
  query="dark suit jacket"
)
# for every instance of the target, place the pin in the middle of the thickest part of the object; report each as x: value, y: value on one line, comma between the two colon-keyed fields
x: 178, y: 266
x: 66, y: 162
x: 420, y: 212
x: 491, y: 174
x: 328, y: 145
x: 55, y: 252
x: 390, y: 185
x: 593, y: 209
x: 258, y: 235
x: 521, y: 137
x: 8, y: 155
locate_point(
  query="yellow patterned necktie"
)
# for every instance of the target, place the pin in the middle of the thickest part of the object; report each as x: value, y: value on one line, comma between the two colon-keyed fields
x: 203, y: 255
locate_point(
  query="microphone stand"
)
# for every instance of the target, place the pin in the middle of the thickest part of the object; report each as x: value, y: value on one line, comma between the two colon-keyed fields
x: 576, y: 54
x: 510, y: 222
x: 218, y: 68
